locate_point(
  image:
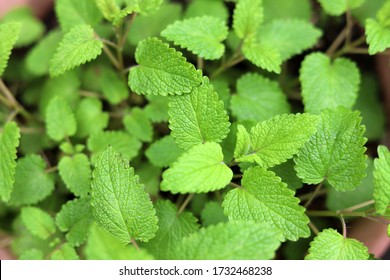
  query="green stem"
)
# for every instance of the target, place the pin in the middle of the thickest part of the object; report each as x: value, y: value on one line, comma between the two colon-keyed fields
x: 51, y: 169
x: 111, y: 56
x: 336, y: 43
x: 135, y: 244
x: 235, y: 185
x: 230, y: 63
x: 358, y: 206
x: 314, y: 194
x: 315, y: 213
x: 13, y: 102
x: 185, y: 203
x: 344, y: 226
x: 314, y: 228
x: 200, y: 62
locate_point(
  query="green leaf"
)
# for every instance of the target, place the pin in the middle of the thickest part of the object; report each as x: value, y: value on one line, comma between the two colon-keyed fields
x: 289, y: 37
x: 38, y: 222
x: 157, y: 108
x: 32, y: 254
x: 163, y: 152
x: 291, y: 9
x: 139, y: 125
x: 325, y: 155
x: 200, y: 169
x: 121, y: 141
x: 109, y: 9
x: 113, y: 87
x: 74, y: 12
x: 262, y: 55
x: 172, y: 228
x: 198, y: 117
x: 197, y: 8
x: 60, y: 120
x: 78, y: 46
x: 378, y: 36
x: 101, y: 245
x: 38, y: 58
x: 65, y: 252
x: 330, y: 245
x: 75, y: 218
x: 88, y: 111
x: 119, y: 203
x: 368, y: 10
x: 339, y: 7
x: 76, y: 173
x: 31, y: 28
x: 263, y: 197
x: 275, y: 140
x: 200, y: 35
x: 32, y: 183
x: 247, y: 17
x: 326, y: 84
x: 212, y: 214
x: 150, y: 177
x: 9, y: 33
x: 288, y: 174
x: 9, y: 141
x: 258, y: 99
x: 382, y: 180
x: 241, y: 240
x: 145, y: 7
x: 162, y: 70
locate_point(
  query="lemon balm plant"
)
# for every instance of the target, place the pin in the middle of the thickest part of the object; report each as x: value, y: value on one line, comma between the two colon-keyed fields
x: 198, y: 130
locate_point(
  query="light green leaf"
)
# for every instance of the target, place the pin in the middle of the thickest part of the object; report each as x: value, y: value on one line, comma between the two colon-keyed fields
x: 326, y: 84
x: 243, y: 143
x: 263, y: 197
x: 241, y: 240
x: 339, y: 7
x: 38, y: 222
x: 109, y: 9
x: 368, y: 10
x: 157, y: 108
x: 388, y: 230
x: 9, y: 141
x: 119, y: 203
x: 197, y: 8
x: 9, y: 33
x: 121, y: 141
x: 330, y: 245
x: 288, y: 174
x: 32, y: 183
x: 212, y: 214
x: 60, y: 120
x: 32, y: 254
x: 145, y: 7
x: 200, y: 35
x: 172, y: 228
x: 88, y: 111
x: 150, y: 177
x: 31, y: 28
x: 301, y: 9
x: 101, y: 245
x: 335, y: 152
x: 38, y: 58
x: 289, y: 37
x: 139, y: 125
x: 258, y: 99
x: 75, y: 218
x: 74, y: 12
x: 262, y: 55
x: 76, y: 173
x: 276, y: 140
x: 163, y: 152
x: 382, y: 180
x: 247, y: 17
x: 198, y: 117
x: 65, y: 252
x: 378, y: 36
x: 201, y: 169
x: 162, y: 70
x: 78, y: 46
x: 112, y: 86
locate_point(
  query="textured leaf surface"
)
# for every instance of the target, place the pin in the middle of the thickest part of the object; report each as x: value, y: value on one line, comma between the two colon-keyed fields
x: 239, y: 240
x: 338, y: 7
x: 60, y: 120
x: 378, y: 36
x: 327, y: 84
x: 200, y: 35
x: 121, y: 141
x: 173, y: 227
x: 101, y: 245
x: 32, y: 183
x: 65, y: 252
x: 201, y: 169
x: 335, y: 152
x: 289, y: 37
x: 9, y: 33
x: 264, y: 198
x: 163, y: 152
x: 212, y: 214
x: 139, y: 125
x: 330, y: 245
x: 276, y: 140
x: 74, y: 12
x: 258, y: 99
x: 198, y: 117
x: 77, y: 47
x: 109, y: 9
x: 89, y: 111
x: 113, y: 87
x: 161, y: 70
x: 262, y: 55
x: 38, y: 222
x: 75, y: 218
x: 145, y: 7
x: 382, y: 180
x: 9, y: 141
x: 247, y: 17
x: 76, y: 173
x: 120, y: 204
